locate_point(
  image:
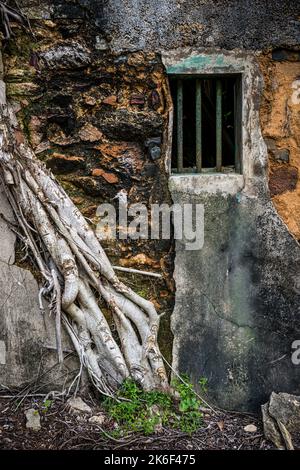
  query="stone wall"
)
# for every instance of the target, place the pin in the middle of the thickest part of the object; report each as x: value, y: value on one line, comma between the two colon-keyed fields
x: 280, y: 120
x: 95, y: 118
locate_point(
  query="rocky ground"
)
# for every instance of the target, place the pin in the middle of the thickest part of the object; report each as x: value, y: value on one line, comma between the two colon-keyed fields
x: 61, y: 426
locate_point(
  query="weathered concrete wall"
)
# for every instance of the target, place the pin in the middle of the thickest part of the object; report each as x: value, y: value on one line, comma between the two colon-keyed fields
x: 237, y: 299
x: 158, y: 24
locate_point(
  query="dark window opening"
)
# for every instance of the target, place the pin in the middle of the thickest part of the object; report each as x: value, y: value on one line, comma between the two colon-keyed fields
x: 207, y: 124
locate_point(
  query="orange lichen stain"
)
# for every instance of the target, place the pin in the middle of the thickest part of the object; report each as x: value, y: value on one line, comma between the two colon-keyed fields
x: 109, y: 177
x: 280, y: 119
x: 110, y: 100
x: 139, y: 260
x: 69, y: 158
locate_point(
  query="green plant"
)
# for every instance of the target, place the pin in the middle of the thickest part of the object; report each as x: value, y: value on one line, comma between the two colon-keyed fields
x: 138, y: 411
x: 46, y: 405
x: 189, y: 404
x: 203, y: 384
x: 133, y: 408
x: 143, y: 292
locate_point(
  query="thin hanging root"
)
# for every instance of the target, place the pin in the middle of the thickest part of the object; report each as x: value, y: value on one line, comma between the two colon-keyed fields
x: 8, y: 15
x: 76, y: 272
x: 56, y: 286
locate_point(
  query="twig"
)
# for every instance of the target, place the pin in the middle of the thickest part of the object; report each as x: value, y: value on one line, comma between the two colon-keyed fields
x: 137, y: 271
x: 24, y: 396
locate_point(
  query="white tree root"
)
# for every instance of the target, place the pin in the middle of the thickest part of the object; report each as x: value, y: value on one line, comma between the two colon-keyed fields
x: 77, y: 273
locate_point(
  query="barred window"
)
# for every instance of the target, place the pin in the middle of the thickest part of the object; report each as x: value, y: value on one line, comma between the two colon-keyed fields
x: 207, y: 123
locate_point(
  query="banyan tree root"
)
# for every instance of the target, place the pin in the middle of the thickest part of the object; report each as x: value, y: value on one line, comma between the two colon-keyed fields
x: 8, y: 14
x: 77, y: 273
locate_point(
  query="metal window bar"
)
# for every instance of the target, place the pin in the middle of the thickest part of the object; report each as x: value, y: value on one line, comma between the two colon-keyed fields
x: 198, y: 118
x: 218, y: 125
x: 179, y: 126
x: 237, y: 127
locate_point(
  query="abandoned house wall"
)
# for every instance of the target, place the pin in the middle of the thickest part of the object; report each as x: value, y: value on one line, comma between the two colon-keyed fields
x: 91, y: 93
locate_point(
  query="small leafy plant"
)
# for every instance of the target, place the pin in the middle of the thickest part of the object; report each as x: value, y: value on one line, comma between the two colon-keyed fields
x: 46, y: 405
x: 189, y: 404
x: 138, y: 411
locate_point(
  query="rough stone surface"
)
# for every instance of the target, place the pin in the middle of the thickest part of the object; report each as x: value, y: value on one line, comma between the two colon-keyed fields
x: 154, y: 24
x: 29, y: 335
x: 280, y: 119
x: 33, y: 421
x: 157, y: 24
x: 85, y: 124
x: 78, y: 406
x: 282, y: 155
x: 124, y: 125
x: 89, y: 133
x: 97, y: 419
x: 271, y: 430
x: 250, y: 428
x: 286, y: 409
